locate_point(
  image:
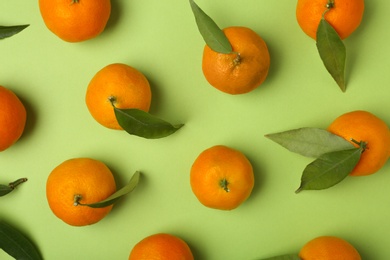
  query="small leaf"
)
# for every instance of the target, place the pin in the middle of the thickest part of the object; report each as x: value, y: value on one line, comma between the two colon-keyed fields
x: 329, y: 169
x: 310, y: 142
x: 16, y: 244
x: 118, y: 194
x: 211, y: 33
x: 332, y: 52
x: 8, y: 31
x: 140, y: 123
x: 284, y: 257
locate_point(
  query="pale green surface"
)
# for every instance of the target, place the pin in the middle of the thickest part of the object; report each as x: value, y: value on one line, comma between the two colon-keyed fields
x: 160, y: 38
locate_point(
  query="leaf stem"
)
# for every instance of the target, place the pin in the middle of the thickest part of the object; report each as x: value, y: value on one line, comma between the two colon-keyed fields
x: 328, y: 6
x: 16, y: 183
x: 236, y: 60
x: 224, y: 184
x: 112, y: 99
x: 299, y: 189
x: 76, y: 200
x: 362, y: 144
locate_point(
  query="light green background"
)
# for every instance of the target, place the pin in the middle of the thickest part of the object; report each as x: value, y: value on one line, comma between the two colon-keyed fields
x: 160, y: 39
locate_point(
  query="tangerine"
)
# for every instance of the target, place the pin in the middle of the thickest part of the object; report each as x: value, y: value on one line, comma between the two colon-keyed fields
x: 120, y: 85
x: 161, y: 246
x: 79, y: 180
x: 344, y: 16
x: 362, y: 126
x: 12, y: 118
x: 328, y: 248
x: 75, y: 20
x: 244, y: 69
x: 222, y: 177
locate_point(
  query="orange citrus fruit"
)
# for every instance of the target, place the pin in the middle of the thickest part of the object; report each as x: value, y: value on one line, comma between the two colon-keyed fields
x: 79, y: 180
x: 328, y: 248
x: 120, y: 85
x: 161, y: 247
x: 12, y: 118
x: 364, y: 126
x: 244, y: 69
x: 343, y: 15
x: 75, y: 20
x: 221, y: 177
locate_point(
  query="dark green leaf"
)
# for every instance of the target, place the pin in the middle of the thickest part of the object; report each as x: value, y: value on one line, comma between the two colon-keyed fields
x: 8, y: 31
x: 211, y: 33
x: 16, y: 244
x: 309, y: 141
x: 143, y: 124
x: 284, y: 257
x: 118, y: 194
x: 5, y: 189
x: 329, y: 169
x: 332, y: 52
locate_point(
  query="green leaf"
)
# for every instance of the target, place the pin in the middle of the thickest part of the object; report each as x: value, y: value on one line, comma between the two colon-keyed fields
x: 284, y: 257
x: 310, y: 142
x: 140, y: 123
x: 332, y: 52
x: 329, y: 169
x: 16, y: 244
x: 5, y: 189
x: 8, y: 31
x: 117, y: 195
x: 211, y: 33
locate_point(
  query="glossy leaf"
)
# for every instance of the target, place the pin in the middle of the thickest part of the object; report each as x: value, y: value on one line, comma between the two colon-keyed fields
x: 284, y: 257
x: 5, y: 189
x: 329, y: 169
x: 332, y: 52
x: 8, y: 31
x: 310, y: 142
x: 140, y: 123
x: 14, y: 243
x: 211, y: 33
x: 118, y: 194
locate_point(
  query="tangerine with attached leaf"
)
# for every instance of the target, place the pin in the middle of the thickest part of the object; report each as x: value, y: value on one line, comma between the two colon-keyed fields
x: 120, y: 85
x: 329, y: 248
x: 79, y: 181
x: 357, y: 126
x: 221, y: 177
x: 244, y: 69
x: 344, y: 16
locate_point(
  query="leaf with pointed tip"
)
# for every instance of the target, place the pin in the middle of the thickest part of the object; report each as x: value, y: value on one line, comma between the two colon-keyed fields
x: 329, y: 169
x: 14, y: 243
x: 310, y: 141
x: 332, y: 52
x: 284, y: 257
x: 211, y: 33
x: 140, y: 123
x: 118, y: 194
x: 8, y: 31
